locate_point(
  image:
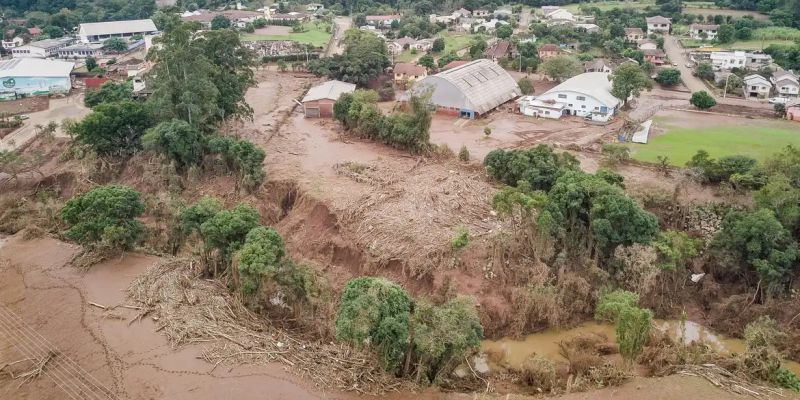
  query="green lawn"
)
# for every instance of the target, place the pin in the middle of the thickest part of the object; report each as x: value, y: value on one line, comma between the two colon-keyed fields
x: 315, y: 34
x: 680, y: 144
x: 609, y: 5
x: 456, y: 41
x: 407, y: 56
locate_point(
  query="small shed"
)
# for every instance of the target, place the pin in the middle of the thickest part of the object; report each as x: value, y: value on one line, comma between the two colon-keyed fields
x: 318, y: 102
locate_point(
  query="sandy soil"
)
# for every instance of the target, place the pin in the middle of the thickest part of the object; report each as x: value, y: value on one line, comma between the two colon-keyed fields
x: 24, y: 106
x: 68, y: 107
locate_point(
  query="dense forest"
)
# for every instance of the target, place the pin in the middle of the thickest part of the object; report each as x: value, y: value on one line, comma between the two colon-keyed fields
x: 68, y: 13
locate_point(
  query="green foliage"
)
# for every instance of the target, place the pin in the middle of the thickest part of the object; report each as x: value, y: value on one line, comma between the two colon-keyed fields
x: 227, y: 230
x: 194, y: 216
x: 374, y: 312
x: 113, y: 129
x: 539, y: 166
x: 427, y: 61
x: 220, y: 22
x: 726, y: 33
x: 438, y: 45
x: 115, y: 44
x: 241, y: 156
x: 786, y: 163
x: 526, y: 86
x: 674, y: 249
x: 669, y: 77
x: 461, y: 239
x: 477, y: 48
x: 756, y: 240
x: 110, y: 92
x: 442, y: 335
x: 783, y: 199
x: 107, y: 214
x: 365, y: 57
x: 629, y: 80
x: 259, y: 258
x: 91, y: 64
x: 702, y: 100
x: 560, y: 67
x: 616, y: 154
x: 178, y: 140
x: 727, y: 168
x: 504, y: 31
x: 611, y: 304
x: 633, y: 330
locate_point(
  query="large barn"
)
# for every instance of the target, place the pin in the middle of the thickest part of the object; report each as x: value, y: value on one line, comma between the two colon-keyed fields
x: 33, y: 76
x: 469, y: 90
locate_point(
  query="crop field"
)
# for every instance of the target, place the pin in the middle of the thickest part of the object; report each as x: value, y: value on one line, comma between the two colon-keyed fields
x: 685, y: 133
x: 315, y: 34
x: 722, y: 11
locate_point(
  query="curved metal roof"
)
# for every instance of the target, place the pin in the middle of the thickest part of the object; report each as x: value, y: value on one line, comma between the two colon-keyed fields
x: 483, y: 84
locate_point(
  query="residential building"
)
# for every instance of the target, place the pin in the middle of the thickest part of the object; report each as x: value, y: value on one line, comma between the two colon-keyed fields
x: 81, y: 50
x: 314, y: 7
x: 533, y: 107
x: 442, y: 19
x: 384, y: 21
x: 398, y: 45
x: 499, y: 50
x: 756, y: 87
x: 408, y: 73
x: 726, y: 60
x: 42, y: 48
x: 32, y: 76
x: 503, y: 13
x: 489, y: 26
x: 462, y: 13
x: 421, y: 45
x: 586, y: 95
x: 658, y: 24
x: 588, y: 28
x: 597, y: 65
x: 35, y: 32
x: 15, y: 42
x: 548, y: 51
x: 454, y: 63
x: 656, y: 56
x: 318, y: 102
x: 469, y: 90
x: 480, y: 13
x: 98, y: 32
x: 703, y: 31
x: 787, y: 83
x: 757, y: 61
x: 647, y: 44
x: 278, y: 17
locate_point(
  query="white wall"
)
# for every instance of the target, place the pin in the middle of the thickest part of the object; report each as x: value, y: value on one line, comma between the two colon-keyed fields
x: 576, y: 106
x: 28, y: 52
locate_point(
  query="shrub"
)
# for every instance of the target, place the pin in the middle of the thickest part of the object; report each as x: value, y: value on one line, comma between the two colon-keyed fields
x: 106, y: 213
x: 611, y: 304
x: 540, y: 373
x: 259, y: 258
x: 616, y: 154
x: 461, y: 239
x: 463, y: 154
x: 669, y: 77
x: 526, y: 86
x: 702, y: 100
x: 540, y: 166
x: 633, y: 330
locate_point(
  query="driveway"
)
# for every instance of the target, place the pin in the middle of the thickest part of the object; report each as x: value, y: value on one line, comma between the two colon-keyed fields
x: 68, y: 107
x: 677, y: 54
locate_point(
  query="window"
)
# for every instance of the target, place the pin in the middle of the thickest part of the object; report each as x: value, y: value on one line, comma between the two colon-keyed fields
x: 581, y: 98
x: 596, y: 108
x: 583, y: 106
x: 562, y: 96
x: 570, y: 104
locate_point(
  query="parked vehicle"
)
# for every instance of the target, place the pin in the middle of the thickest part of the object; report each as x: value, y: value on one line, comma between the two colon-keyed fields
x: 778, y: 100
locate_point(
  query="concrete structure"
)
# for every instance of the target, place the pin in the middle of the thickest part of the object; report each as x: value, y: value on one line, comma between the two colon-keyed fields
x: 31, y: 76
x: 469, y: 90
x: 489, y: 26
x: 383, y: 21
x: 548, y: 51
x: 703, y: 31
x: 408, y: 73
x: 756, y: 87
x: 293, y: 16
x: 398, y: 45
x: 757, y: 61
x: 42, y: 48
x: 634, y: 35
x: 647, y: 44
x: 81, y: 50
x: 548, y: 9
x: 15, y: 42
x: 586, y: 95
x: 726, y: 60
x: 318, y: 102
x: 560, y: 15
x: 658, y: 24
x: 787, y: 83
x: 588, y: 28
x: 597, y: 65
x: 480, y: 13
x: 530, y: 106
x: 98, y: 32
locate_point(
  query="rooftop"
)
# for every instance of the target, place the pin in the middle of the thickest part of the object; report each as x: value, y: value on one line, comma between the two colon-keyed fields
x: 548, y: 47
x: 634, y: 30
x: 117, y: 27
x: 35, y: 67
x: 703, y: 27
x: 595, y: 84
x: 658, y: 20
x: 329, y: 90
x: 51, y: 43
x: 409, y: 69
x: 383, y: 17
x: 484, y: 84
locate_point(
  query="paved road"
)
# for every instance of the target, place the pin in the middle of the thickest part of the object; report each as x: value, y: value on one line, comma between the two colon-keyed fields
x: 678, y: 55
x: 342, y: 25
x: 68, y: 107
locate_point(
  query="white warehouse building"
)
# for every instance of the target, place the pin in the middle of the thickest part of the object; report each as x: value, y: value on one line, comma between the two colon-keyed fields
x: 98, y: 32
x: 586, y: 95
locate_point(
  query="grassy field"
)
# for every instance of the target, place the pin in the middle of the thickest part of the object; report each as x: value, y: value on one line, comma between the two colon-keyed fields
x: 314, y: 34
x: 723, y: 11
x: 609, y: 5
x: 754, y: 44
x: 456, y: 41
x: 408, y: 56
x: 757, y: 138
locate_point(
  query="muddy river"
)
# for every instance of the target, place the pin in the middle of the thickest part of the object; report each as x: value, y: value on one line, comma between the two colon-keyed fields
x: 545, y: 343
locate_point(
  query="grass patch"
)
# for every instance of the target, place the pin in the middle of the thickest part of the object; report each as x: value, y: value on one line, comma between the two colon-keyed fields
x: 680, y: 144
x: 610, y: 5
x: 315, y: 34
x: 754, y: 44
x: 456, y: 41
x: 408, y: 56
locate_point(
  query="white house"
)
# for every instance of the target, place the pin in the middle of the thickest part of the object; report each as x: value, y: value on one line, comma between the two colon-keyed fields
x: 756, y: 61
x: 98, y: 32
x: 589, y: 28
x: 42, y: 48
x: 15, y: 42
x: 787, y: 84
x: 703, y: 31
x: 658, y: 24
x: 726, y: 60
x: 383, y: 20
x: 585, y: 95
x: 490, y: 26
x: 756, y: 87
x: 548, y: 9
x: 532, y: 107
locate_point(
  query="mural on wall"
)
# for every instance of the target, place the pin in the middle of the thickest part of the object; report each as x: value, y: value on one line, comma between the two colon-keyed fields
x: 16, y: 86
x: 9, y: 83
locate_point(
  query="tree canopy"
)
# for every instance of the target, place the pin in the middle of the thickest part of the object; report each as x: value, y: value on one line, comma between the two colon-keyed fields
x: 365, y: 57
x: 107, y: 214
x: 113, y: 129
x: 629, y: 80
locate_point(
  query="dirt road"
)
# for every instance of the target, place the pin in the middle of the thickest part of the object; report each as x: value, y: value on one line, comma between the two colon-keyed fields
x: 524, y: 21
x: 678, y: 55
x: 68, y: 107
x: 342, y: 24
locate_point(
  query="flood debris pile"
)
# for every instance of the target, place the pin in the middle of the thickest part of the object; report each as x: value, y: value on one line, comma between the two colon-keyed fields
x: 192, y: 310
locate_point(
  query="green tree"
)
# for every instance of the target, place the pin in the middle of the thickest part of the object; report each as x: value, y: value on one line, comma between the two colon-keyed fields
x: 438, y: 45
x: 539, y: 167
x: 110, y: 92
x: 669, y: 77
x: 177, y: 140
x: 427, y: 62
x: 504, y: 31
x: 628, y: 80
x: 782, y: 198
x: 259, y: 258
x: 674, y: 249
x: 113, y: 129
x: 91, y: 64
x: 610, y: 305
x: 227, y: 230
x: 243, y: 157
x: 477, y: 48
x: 560, y: 67
x: 442, y: 335
x: 633, y: 331
x: 702, y: 100
x: 705, y: 70
x: 756, y: 240
x: 193, y: 217
x: 726, y: 33
x: 526, y: 86
x: 53, y: 31
x: 107, y: 214
x: 374, y: 312
x: 116, y: 45
x: 364, y: 58
x: 220, y: 22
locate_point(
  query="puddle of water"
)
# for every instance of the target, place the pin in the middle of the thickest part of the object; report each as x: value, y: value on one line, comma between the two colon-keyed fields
x: 545, y: 343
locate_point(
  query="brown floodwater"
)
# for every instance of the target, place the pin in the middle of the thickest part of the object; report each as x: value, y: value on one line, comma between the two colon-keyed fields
x: 515, y: 351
